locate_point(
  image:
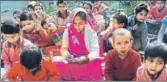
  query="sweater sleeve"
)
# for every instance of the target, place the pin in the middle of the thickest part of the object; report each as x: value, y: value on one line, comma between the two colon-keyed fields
x: 144, y: 34
x: 13, y: 73
x: 108, y: 68
x: 52, y: 71
x: 5, y: 57
x: 136, y: 64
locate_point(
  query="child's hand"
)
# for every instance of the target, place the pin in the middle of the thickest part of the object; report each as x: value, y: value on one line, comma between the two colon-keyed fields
x: 83, y: 60
x: 136, y: 27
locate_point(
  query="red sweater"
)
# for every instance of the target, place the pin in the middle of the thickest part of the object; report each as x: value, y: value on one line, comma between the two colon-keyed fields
x: 117, y: 69
x: 48, y: 72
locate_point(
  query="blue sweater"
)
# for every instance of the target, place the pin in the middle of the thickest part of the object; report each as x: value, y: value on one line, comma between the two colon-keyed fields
x: 141, y: 33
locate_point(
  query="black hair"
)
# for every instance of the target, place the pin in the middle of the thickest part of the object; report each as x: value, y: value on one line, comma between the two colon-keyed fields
x: 141, y: 7
x: 156, y: 50
x: 61, y: 2
x: 81, y: 14
x: 17, y: 12
x: 39, y: 4
x: 88, y: 3
x: 30, y: 6
x: 165, y: 38
x: 26, y: 16
x: 121, y: 19
x: 43, y: 22
x: 31, y: 57
x: 10, y: 27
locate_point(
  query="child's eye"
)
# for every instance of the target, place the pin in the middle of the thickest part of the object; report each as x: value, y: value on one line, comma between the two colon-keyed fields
x: 159, y: 63
x: 118, y: 43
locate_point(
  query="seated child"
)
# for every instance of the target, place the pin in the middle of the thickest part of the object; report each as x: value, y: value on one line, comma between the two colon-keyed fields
x: 33, y: 31
x: 153, y: 68
x: 138, y: 26
x: 122, y: 62
x: 55, y: 35
x: 60, y: 18
x: 117, y: 21
x: 13, y: 44
x: 32, y: 67
x: 158, y: 12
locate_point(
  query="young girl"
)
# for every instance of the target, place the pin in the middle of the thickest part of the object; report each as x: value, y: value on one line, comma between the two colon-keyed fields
x: 32, y: 67
x: 88, y: 7
x: 80, y: 48
x: 33, y: 31
x: 138, y: 26
x: 14, y: 43
x: 55, y: 35
x: 39, y: 13
x: 30, y: 9
x: 153, y: 68
x: 61, y: 17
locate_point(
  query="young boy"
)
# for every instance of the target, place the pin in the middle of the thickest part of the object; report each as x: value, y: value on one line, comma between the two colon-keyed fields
x: 14, y: 43
x: 116, y: 22
x: 16, y: 15
x: 32, y: 67
x: 61, y: 18
x: 159, y: 11
x: 122, y: 62
x: 153, y: 68
x: 33, y: 31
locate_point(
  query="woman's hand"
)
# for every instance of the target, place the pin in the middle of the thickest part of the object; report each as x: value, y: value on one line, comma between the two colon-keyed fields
x: 83, y: 60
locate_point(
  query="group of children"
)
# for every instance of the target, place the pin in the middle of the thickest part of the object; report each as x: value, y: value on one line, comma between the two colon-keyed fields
x: 74, y: 36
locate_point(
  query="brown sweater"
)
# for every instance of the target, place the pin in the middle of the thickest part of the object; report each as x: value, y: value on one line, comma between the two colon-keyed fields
x: 117, y: 69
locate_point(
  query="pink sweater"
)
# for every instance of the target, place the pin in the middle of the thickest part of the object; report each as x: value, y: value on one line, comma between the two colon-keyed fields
x: 142, y: 75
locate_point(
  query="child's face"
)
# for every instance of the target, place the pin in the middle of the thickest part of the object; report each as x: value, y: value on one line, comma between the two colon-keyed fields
x: 79, y: 24
x: 122, y: 44
x: 87, y: 8
x: 49, y: 27
x: 159, y: 4
x: 115, y: 24
x: 154, y: 64
x: 12, y: 38
x: 141, y: 16
x: 38, y: 10
x: 31, y: 10
x: 62, y: 7
x: 27, y: 25
x: 17, y: 17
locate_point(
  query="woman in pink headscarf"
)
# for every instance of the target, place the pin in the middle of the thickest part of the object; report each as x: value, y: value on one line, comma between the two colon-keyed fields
x: 81, y: 49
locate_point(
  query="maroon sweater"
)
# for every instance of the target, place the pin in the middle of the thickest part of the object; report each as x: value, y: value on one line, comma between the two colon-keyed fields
x: 117, y: 69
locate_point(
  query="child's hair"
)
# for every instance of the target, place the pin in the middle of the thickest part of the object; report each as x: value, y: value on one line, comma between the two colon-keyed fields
x: 141, y: 7
x: 121, y: 19
x: 61, y: 2
x: 88, y: 3
x: 10, y: 27
x: 31, y: 57
x: 43, y: 22
x: 165, y: 38
x: 26, y: 16
x: 39, y: 4
x: 121, y: 32
x: 156, y: 50
x: 81, y: 14
x: 30, y: 6
x: 17, y: 12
